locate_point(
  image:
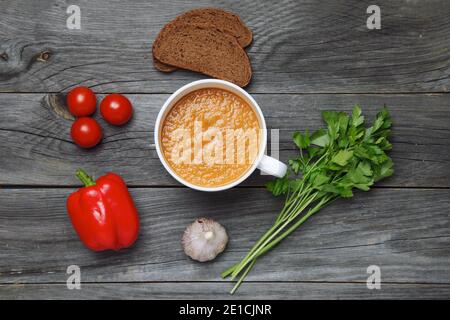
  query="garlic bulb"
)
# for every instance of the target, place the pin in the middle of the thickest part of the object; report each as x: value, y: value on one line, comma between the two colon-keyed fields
x: 204, y: 239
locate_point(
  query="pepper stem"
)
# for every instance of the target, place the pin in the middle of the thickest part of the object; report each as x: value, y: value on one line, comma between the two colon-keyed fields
x: 84, y: 178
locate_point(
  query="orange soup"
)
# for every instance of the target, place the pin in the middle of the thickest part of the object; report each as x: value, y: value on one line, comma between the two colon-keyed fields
x: 210, y: 137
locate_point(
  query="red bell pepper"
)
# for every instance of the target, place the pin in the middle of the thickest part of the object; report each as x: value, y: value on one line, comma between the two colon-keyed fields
x: 103, y: 213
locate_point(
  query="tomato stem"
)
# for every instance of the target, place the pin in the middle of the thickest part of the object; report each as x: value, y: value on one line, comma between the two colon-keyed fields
x: 84, y: 178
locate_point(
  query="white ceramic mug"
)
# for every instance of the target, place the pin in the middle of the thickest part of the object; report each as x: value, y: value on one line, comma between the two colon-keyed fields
x: 263, y: 162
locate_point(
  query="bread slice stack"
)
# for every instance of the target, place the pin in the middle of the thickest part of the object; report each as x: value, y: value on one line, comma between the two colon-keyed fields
x: 206, y: 40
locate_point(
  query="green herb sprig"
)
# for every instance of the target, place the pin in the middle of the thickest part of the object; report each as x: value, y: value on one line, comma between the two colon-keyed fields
x: 332, y: 162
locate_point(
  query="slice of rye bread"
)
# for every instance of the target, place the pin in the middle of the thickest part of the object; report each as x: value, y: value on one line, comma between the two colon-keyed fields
x: 213, y: 18
x: 208, y: 51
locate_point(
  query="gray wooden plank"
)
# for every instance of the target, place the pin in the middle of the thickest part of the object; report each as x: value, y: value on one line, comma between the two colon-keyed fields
x: 403, y: 231
x: 208, y: 291
x: 299, y: 46
x: 36, y: 148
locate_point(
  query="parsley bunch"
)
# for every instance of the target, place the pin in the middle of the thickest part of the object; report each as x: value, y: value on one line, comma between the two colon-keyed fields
x: 331, y: 163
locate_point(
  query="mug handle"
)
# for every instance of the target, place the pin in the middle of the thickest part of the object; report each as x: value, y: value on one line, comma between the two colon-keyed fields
x: 272, y: 166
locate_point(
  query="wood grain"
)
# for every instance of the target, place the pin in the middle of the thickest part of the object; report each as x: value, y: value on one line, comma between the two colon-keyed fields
x: 207, y: 291
x: 299, y: 46
x: 405, y: 232
x: 36, y: 148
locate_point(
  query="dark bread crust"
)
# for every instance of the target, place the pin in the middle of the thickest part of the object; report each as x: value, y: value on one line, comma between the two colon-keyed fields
x: 213, y: 18
x: 162, y: 66
x: 204, y: 50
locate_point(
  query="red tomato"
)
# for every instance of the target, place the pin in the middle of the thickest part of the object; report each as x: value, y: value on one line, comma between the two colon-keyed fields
x: 81, y: 101
x: 86, y: 132
x: 116, y: 109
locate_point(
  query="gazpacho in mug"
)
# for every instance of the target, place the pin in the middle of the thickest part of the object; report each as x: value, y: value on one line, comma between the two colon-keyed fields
x: 210, y: 137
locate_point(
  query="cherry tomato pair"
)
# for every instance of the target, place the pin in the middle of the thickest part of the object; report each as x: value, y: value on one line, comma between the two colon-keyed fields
x: 115, y: 108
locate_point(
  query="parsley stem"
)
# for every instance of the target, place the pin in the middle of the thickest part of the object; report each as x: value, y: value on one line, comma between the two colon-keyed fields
x: 276, y: 228
x: 256, y: 246
x: 289, y: 204
x: 319, y: 206
x: 251, y: 256
x: 267, y: 241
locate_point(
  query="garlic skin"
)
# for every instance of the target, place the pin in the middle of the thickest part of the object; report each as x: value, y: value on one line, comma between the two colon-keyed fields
x: 204, y: 239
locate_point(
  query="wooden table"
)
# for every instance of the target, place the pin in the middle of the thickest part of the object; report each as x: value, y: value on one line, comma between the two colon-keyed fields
x: 307, y: 56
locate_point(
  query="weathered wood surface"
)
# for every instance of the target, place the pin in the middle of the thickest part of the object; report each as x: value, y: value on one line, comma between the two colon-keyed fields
x: 299, y: 46
x: 36, y: 148
x: 206, y: 291
x: 404, y: 231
